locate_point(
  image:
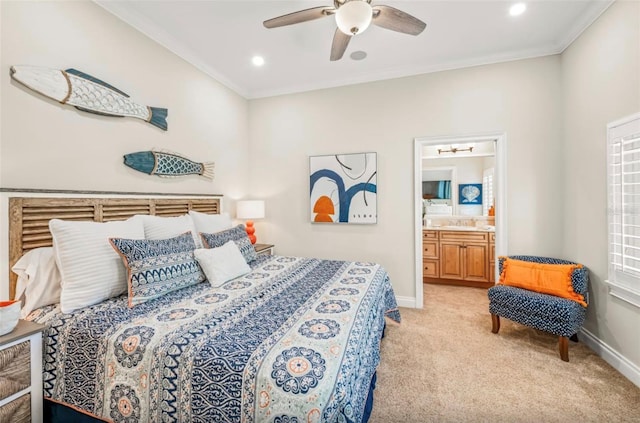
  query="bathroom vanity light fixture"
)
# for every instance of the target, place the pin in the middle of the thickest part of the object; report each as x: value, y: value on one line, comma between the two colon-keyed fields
x: 454, y: 150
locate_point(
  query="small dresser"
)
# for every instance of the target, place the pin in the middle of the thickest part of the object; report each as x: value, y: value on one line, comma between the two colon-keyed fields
x: 264, y: 249
x: 21, y: 374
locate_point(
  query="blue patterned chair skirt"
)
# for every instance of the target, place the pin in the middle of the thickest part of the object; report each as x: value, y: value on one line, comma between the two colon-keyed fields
x: 548, y: 313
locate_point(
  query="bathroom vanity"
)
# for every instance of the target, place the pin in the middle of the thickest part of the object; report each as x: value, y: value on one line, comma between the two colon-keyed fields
x: 458, y: 255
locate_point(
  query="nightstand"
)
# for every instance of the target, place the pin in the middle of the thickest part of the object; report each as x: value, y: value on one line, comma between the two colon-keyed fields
x: 264, y: 249
x: 21, y: 374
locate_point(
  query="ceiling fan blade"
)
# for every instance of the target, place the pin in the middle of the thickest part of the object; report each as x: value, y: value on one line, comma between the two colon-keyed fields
x: 299, y: 16
x: 396, y: 20
x: 340, y: 43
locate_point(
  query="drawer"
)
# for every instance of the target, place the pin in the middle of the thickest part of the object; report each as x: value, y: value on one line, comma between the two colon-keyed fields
x: 492, y: 237
x: 17, y: 411
x: 430, y: 249
x: 469, y: 236
x: 15, y: 373
x: 430, y: 234
x: 430, y: 269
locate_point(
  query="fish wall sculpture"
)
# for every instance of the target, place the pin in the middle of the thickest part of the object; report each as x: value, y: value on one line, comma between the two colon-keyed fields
x: 167, y: 164
x: 86, y: 93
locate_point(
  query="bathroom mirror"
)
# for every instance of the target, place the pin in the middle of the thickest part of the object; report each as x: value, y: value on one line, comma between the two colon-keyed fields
x: 438, y: 190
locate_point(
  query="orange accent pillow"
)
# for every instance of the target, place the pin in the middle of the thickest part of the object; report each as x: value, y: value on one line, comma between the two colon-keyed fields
x: 552, y: 279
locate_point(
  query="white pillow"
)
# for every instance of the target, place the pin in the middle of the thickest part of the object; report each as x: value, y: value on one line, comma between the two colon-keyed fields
x: 222, y: 264
x: 158, y: 227
x: 210, y: 223
x: 38, y: 279
x: 91, y: 270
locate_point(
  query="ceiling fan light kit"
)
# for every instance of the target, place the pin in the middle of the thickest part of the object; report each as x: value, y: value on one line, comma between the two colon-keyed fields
x: 352, y: 17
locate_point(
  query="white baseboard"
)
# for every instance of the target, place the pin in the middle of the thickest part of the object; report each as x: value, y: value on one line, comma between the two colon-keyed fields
x: 611, y: 356
x: 409, y: 302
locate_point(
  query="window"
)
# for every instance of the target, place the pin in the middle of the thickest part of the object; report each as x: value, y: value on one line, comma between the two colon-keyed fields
x: 487, y: 190
x: 623, y: 186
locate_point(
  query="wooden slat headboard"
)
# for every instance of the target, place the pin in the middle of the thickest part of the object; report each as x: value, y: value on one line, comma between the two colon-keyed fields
x: 29, y: 217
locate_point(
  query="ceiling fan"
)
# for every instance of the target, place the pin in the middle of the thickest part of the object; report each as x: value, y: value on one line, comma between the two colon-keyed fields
x: 352, y: 18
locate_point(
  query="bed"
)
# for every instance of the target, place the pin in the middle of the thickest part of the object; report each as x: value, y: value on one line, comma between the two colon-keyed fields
x: 294, y: 340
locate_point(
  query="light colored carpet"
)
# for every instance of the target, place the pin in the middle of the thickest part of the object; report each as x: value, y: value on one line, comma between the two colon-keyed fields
x: 443, y: 364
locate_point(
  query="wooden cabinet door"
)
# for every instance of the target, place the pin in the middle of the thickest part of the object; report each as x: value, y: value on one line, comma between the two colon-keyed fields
x: 476, y: 262
x: 451, y: 260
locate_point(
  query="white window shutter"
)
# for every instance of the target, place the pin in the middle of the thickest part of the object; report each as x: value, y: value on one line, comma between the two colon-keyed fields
x: 623, y: 185
x: 487, y: 190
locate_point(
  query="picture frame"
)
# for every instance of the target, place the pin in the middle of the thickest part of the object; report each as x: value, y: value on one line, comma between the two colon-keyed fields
x: 470, y: 194
x: 343, y: 188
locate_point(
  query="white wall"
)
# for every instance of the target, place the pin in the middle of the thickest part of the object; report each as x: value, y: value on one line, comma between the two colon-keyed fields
x: 468, y: 169
x: 46, y: 145
x: 49, y: 145
x: 520, y: 98
x: 600, y: 84
x: 489, y: 162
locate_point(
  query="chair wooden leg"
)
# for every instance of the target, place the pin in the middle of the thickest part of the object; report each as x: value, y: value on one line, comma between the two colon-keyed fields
x: 563, y: 344
x: 495, y: 323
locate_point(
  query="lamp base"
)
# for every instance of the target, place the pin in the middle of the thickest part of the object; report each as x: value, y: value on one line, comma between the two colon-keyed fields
x: 250, y: 231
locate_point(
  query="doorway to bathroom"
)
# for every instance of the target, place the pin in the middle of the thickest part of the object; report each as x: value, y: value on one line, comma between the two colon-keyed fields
x: 459, y: 192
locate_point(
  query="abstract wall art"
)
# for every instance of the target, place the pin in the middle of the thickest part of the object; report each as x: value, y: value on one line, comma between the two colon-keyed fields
x: 343, y: 188
x: 470, y: 194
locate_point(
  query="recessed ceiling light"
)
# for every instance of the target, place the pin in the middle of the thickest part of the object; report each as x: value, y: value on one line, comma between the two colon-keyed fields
x: 257, y: 60
x: 517, y: 9
x: 358, y: 55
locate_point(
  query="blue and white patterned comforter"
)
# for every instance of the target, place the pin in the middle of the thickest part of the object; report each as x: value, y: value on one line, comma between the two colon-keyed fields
x: 295, y: 340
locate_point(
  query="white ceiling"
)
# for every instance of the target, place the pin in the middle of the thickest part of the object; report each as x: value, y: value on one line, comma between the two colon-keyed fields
x: 221, y: 37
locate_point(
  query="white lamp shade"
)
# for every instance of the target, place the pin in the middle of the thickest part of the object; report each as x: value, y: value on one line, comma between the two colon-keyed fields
x: 250, y: 209
x: 354, y: 17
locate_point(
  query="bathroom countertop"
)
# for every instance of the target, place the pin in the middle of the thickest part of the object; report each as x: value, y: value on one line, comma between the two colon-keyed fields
x: 460, y: 228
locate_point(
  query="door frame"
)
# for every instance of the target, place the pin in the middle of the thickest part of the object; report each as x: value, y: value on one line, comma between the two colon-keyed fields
x: 500, y: 138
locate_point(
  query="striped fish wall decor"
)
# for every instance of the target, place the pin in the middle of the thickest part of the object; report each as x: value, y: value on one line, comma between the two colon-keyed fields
x: 167, y: 164
x: 86, y: 93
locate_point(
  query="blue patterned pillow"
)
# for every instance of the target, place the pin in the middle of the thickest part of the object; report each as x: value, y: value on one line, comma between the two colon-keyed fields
x: 237, y: 235
x: 157, y: 267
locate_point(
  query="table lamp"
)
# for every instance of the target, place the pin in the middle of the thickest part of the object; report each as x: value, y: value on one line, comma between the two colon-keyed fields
x: 249, y: 210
